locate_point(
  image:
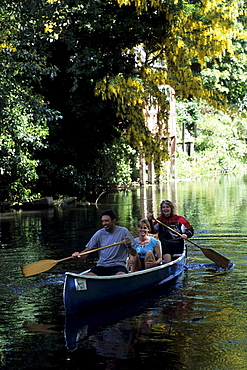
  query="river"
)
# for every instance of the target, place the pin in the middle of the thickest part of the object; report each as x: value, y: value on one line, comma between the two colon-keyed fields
x: 198, y: 322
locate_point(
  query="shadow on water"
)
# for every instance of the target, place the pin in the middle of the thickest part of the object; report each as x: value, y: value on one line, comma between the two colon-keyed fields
x: 110, y: 336
x: 79, y: 327
x: 114, y: 332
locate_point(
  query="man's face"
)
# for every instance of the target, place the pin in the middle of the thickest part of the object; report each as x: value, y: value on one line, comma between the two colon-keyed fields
x: 108, y: 223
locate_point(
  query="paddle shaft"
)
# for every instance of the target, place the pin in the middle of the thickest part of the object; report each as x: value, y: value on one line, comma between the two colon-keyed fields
x: 93, y: 250
x: 45, y: 265
x: 176, y: 232
x: 209, y: 253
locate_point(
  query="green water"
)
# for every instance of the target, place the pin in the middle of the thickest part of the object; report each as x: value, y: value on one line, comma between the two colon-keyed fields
x: 200, y: 323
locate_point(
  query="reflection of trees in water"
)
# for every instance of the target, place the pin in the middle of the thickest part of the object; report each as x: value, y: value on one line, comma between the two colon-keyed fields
x: 116, y: 341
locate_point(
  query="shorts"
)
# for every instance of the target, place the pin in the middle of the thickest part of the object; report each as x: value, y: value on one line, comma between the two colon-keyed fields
x: 175, y: 247
x: 108, y: 271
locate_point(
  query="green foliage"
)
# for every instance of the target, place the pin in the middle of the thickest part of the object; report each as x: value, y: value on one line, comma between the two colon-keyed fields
x: 80, y: 59
x: 116, y: 163
x: 229, y: 77
x: 20, y: 138
x: 188, y: 114
x: 220, y: 147
x: 23, y: 132
x: 219, y: 133
x: 24, y: 114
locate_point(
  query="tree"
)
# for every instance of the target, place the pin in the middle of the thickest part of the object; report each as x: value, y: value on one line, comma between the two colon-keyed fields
x: 23, y: 112
x: 229, y: 76
x: 99, y: 63
x: 190, y: 33
x: 125, y: 50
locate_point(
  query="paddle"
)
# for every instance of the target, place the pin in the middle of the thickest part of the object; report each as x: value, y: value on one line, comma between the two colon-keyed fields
x: 45, y: 265
x: 209, y: 253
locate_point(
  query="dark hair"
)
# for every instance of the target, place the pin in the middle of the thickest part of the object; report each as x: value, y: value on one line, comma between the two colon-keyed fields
x: 170, y: 204
x: 109, y: 212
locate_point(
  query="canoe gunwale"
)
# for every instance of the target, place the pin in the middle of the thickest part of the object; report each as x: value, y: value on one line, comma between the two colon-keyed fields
x: 126, y: 276
x: 82, y: 292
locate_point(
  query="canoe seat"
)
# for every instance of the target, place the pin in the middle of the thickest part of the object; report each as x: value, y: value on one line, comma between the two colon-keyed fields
x: 175, y: 256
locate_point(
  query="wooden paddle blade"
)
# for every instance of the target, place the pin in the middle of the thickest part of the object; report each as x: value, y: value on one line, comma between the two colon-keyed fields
x: 45, y: 265
x: 209, y: 253
x: 38, y: 267
x: 215, y: 257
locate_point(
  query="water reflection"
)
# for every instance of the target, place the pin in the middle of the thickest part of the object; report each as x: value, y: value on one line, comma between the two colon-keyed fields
x: 115, y: 333
x: 199, y: 324
x: 80, y: 326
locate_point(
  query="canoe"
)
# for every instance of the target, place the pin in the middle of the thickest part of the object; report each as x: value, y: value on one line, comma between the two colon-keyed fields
x: 80, y: 326
x: 83, y: 292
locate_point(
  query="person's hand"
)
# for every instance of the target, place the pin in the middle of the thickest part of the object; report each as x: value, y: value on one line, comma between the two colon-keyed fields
x: 150, y: 264
x: 131, y: 248
x: 127, y: 241
x: 76, y: 255
x: 150, y: 216
x: 184, y: 236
